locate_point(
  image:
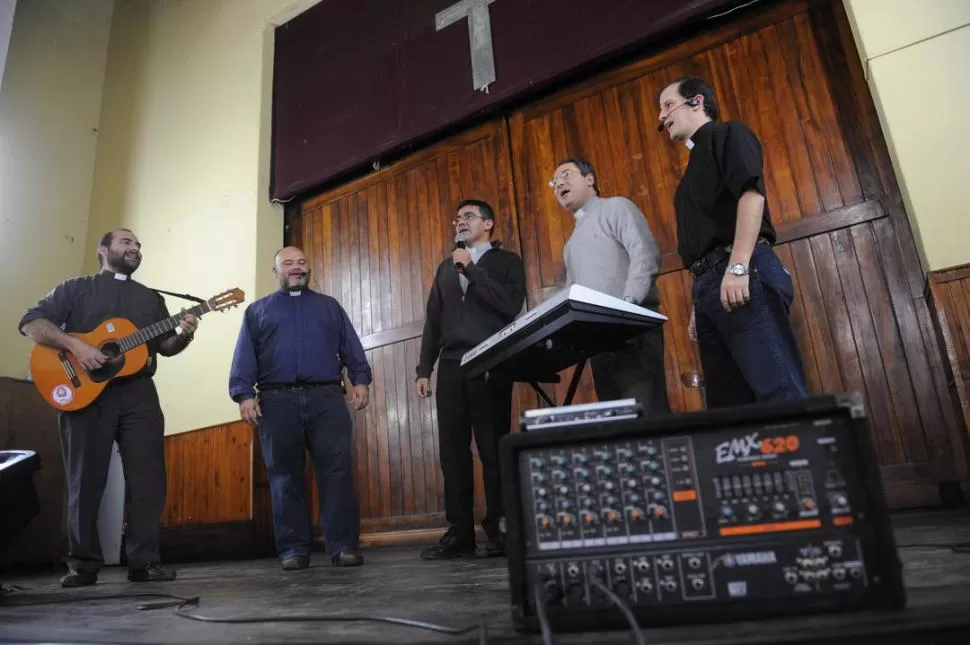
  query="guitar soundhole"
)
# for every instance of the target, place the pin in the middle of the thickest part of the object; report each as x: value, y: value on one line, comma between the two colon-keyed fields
x: 116, y: 361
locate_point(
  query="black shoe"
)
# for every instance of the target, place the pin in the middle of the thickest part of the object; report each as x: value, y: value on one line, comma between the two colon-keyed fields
x: 348, y: 557
x: 75, y: 578
x: 294, y: 562
x: 450, y: 546
x: 152, y: 572
x: 495, y: 548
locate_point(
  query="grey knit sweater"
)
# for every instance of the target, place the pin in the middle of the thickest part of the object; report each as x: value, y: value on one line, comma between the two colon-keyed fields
x: 612, y: 250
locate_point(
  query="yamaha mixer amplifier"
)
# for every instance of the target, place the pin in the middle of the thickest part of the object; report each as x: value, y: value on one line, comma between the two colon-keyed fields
x: 741, y: 512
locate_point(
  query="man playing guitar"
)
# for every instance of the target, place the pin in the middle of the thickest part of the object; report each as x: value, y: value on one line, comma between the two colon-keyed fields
x: 127, y: 411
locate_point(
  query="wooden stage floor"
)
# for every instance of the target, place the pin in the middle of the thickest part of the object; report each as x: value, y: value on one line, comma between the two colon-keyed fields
x: 395, y: 582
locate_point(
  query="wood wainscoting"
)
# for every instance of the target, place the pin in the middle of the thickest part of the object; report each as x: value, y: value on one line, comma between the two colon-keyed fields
x: 209, y: 498
x: 948, y: 291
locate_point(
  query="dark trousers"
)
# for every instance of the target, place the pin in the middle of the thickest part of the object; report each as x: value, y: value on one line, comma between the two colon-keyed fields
x: 464, y: 406
x: 750, y: 354
x: 127, y: 412
x: 635, y: 371
x: 316, y: 419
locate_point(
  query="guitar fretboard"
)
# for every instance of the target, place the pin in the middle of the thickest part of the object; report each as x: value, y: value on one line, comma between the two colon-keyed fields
x: 161, y: 327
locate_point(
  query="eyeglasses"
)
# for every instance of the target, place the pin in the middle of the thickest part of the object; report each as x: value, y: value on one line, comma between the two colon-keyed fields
x: 562, y: 174
x: 464, y: 217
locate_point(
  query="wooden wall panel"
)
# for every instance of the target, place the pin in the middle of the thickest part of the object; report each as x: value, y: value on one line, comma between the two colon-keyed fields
x: 375, y: 245
x: 210, y: 476
x: 949, y: 292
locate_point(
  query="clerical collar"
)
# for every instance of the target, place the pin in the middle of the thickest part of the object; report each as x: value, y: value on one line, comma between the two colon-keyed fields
x: 700, y: 135
x: 295, y: 293
x: 116, y: 276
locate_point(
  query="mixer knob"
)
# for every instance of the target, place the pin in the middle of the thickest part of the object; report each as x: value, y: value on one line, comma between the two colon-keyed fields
x: 565, y: 504
x: 559, y: 460
x: 727, y: 512
x: 589, y: 518
x: 611, y: 516
x: 566, y: 519
x: 660, y: 512
x: 653, y: 465
x: 605, y: 456
x: 659, y: 496
x: 538, y: 463
x: 629, y: 469
x: 636, y: 514
x: 582, y: 473
x: 840, y: 500
x: 633, y: 498
x: 607, y: 471
x: 580, y: 458
x: 753, y: 510
x: 588, y: 503
x: 544, y: 521
x: 586, y: 488
x: 542, y: 507
x: 559, y: 475
x: 611, y: 500
x: 541, y: 492
x: 538, y: 477
x: 655, y: 481
x: 563, y: 490
x: 808, y: 504
x: 779, y: 508
x: 632, y: 483
x: 608, y: 486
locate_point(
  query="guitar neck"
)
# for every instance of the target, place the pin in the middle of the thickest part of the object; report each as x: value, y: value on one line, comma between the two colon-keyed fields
x: 161, y: 327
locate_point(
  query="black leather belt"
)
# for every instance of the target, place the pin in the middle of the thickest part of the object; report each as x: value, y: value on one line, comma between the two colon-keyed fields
x: 266, y: 387
x: 714, y: 258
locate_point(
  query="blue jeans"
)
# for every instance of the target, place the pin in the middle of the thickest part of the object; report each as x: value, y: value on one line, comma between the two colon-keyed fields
x: 316, y: 419
x: 750, y: 354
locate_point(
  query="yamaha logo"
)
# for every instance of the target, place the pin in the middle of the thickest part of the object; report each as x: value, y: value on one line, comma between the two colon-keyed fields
x: 750, y: 559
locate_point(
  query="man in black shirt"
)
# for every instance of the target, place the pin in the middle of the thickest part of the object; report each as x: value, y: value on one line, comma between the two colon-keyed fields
x: 476, y: 292
x: 127, y: 411
x: 742, y: 292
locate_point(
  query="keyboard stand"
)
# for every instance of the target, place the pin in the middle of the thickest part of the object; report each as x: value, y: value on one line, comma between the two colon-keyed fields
x: 570, y: 391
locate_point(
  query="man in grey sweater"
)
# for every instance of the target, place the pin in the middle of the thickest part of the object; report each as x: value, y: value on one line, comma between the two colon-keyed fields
x: 612, y: 251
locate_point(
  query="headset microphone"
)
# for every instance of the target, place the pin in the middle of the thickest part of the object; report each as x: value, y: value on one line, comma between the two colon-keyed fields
x: 691, y: 102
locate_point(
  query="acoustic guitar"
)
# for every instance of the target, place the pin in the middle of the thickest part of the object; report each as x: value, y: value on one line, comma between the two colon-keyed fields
x: 68, y: 386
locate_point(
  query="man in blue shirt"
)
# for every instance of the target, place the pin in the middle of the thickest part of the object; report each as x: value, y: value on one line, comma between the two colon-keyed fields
x: 291, y: 347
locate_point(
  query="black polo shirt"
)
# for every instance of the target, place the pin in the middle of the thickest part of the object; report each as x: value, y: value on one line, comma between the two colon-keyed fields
x: 79, y: 305
x: 726, y: 160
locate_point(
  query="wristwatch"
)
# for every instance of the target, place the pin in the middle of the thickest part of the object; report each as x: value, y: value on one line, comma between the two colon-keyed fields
x: 738, y: 269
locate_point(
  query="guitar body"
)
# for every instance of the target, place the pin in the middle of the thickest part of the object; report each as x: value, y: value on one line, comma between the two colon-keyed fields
x: 66, y: 385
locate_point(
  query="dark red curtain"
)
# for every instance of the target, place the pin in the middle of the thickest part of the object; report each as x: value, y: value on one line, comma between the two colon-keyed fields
x: 358, y: 78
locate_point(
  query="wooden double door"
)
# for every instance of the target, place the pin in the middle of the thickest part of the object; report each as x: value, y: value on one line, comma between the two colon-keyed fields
x: 792, y: 74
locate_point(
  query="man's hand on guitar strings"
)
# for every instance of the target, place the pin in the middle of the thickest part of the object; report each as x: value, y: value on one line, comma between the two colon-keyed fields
x: 89, y: 357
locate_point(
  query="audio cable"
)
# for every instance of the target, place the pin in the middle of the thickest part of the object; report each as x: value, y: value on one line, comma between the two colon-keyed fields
x: 623, y: 607
x: 540, y: 599
x: 180, y: 603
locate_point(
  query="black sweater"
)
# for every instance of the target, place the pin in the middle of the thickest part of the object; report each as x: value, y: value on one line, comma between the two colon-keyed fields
x: 456, y: 322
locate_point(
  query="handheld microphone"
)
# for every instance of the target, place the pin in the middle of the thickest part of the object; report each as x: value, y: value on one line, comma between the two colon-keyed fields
x: 692, y: 102
x: 460, y: 244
